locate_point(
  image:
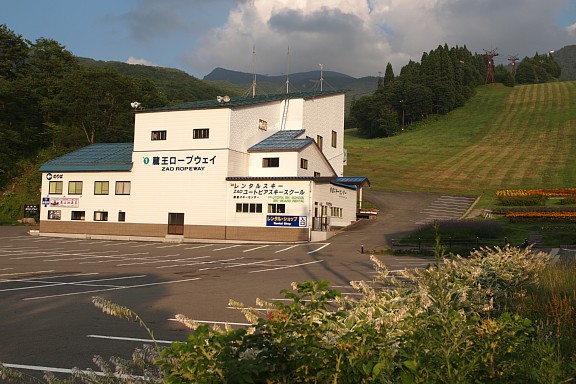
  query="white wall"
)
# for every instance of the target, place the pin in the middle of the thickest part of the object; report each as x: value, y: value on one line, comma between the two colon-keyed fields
x: 322, y: 115
x: 336, y: 196
x: 179, y: 126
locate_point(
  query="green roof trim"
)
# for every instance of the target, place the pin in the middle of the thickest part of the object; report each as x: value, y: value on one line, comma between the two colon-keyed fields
x: 243, y: 101
x: 93, y: 158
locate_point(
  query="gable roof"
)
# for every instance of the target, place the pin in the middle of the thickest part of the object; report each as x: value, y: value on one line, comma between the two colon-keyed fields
x: 243, y: 101
x: 282, y: 141
x: 95, y: 157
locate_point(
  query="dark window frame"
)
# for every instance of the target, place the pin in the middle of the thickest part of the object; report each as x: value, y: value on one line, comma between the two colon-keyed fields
x: 158, y: 135
x: 271, y: 162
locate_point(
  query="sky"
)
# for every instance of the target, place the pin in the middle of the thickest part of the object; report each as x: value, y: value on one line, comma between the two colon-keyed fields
x: 279, y: 37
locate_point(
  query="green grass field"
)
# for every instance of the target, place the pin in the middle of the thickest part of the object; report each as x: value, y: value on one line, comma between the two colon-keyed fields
x: 503, y: 138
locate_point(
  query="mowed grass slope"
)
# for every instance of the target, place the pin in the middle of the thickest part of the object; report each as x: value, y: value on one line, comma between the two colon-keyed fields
x: 504, y: 138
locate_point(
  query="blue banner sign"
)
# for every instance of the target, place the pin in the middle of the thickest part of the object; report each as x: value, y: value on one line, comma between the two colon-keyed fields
x: 286, y: 221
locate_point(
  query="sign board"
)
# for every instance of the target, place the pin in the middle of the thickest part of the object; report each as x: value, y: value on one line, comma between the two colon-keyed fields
x: 31, y: 210
x: 286, y: 221
x: 67, y: 202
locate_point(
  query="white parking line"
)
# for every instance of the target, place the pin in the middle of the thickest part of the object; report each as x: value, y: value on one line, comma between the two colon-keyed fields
x: 285, y: 249
x: 22, y: 273
x: 240, y: 265
x: 50, y: 284
x: 216, y: 322
x: 316, y: 250
x: 202, y: 262
x: 108, y: 258
x: 142, y: 245
x: 285, y: 267
x: 110, y: 289
x: 201, y: 246
x: 223, y: 248
x: 46, y: 277
x: 253, y: 249
x: 130, y: 339
x: 155, y: 261
x: 170, y: 246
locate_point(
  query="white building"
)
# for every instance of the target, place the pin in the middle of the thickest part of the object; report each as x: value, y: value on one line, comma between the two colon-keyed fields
x: 266, y: 168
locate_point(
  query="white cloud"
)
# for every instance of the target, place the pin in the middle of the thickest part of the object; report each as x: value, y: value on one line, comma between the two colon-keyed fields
x: 135, y: 60
x: 356, y: 37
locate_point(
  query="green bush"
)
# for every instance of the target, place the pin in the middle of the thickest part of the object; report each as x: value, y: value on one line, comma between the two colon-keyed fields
x: 528, y: 200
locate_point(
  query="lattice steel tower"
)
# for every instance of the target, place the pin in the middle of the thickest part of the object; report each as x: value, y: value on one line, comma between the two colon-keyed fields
x: 490, y: 59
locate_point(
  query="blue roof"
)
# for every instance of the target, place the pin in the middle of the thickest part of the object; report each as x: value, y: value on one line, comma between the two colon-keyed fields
x: 95, y: 157
x: 282, y: 141
x: 355, y: 180
x: 244, y: 101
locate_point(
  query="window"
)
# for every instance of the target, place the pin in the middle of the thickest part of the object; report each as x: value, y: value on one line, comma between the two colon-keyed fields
x: 78, y: 215
x: 262, y: 125
x: 56, y: 187
x: 100, y: 216
x: 101, y: 187
x: 122, y: 187
x: 316, y: 174
x: 250, y: 208
x: 74, y: 187
x: 201, y: 133
x: 334, y: 139
x: 54, y: 215
x: 276, y: 208
x: 121, y: 216
x: 319, y: 141
x: 303, y: 163
x: 158, y: 135
x: 335, y: 212
x: 270, y: 162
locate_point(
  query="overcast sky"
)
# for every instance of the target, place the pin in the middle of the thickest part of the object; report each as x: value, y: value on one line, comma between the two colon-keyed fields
x: 355, y: 37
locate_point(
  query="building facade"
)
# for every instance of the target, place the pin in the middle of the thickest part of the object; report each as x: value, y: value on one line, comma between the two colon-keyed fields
x: 264, y: 168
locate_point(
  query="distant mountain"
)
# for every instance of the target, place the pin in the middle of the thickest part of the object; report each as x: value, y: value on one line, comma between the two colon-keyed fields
x: 177, y: 85
x: 566, y: 59
x: 301, y: 81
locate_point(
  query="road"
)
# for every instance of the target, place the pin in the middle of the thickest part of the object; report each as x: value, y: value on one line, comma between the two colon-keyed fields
x: 46, y: 284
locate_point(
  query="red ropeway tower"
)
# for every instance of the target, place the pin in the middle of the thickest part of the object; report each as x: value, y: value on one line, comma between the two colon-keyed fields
x: 490, y: 59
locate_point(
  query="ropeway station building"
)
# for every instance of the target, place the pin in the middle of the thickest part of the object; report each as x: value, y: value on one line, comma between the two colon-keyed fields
x: 262, y: 168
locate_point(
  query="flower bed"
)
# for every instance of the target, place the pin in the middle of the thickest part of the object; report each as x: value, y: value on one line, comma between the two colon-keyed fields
x: 542, y: 216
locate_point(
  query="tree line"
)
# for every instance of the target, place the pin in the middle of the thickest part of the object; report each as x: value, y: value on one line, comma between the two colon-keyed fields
x: 443, y: 80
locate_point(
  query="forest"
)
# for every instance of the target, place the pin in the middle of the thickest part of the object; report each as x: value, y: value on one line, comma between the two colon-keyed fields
x: 52, y: 102
x: 443, y: 80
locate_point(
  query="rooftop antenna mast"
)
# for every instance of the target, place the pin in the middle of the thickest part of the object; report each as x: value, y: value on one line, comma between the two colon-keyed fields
x: 513, y: 60
x: 490, y: 71
x: 321, y: 76
x: 253, y: 71
x: 288, y: 71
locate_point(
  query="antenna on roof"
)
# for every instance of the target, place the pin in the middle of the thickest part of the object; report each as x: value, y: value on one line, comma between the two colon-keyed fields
x: 253, y: 71
x: 321, y: 76
x: 288, y: 71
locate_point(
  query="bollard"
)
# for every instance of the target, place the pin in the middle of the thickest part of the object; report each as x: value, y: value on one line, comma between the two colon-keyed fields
x: 362, y: 249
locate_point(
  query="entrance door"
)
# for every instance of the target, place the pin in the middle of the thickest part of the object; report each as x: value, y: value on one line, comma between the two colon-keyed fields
x: 175, y: 223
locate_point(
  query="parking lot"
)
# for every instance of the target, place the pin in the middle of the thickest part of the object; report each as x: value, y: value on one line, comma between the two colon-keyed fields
x: 48, y: 321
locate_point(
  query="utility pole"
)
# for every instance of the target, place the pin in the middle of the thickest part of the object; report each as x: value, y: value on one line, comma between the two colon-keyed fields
x: 513, y: 60
x: 490, y: 59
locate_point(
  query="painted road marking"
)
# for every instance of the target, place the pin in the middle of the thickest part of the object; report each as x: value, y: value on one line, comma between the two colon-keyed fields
x: 285, y: 267
x: 111, y: 289
x: 228, y: 247
x: 50, y: 284
x: 285, y: 249
x: 199, y: 263
x: 316, y: 250
x: 253, y: 249
x: 131, y: 339
x: 201, y: 246
x: 154, y: 261
x: 214, y: 322
x: 240, y: 264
